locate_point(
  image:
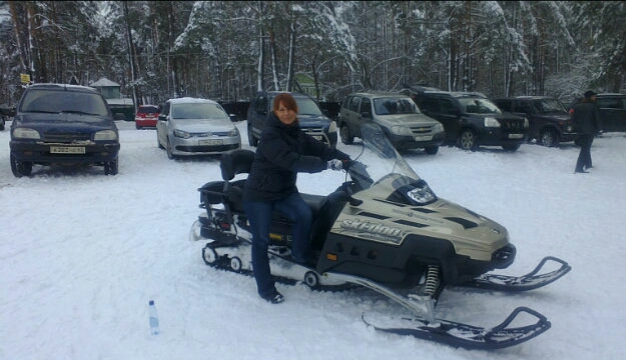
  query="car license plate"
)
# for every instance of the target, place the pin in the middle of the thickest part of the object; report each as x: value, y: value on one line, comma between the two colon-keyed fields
x: 67, y: 149
x: 210, y: 142
x: 423, y: 138
x: 516, y: 136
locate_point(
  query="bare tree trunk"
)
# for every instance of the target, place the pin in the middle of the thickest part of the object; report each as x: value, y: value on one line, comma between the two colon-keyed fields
x: 292, y: 50
x: 17, y: 28
x: 131, y: 56
x: 274, y: 62
x: 259, y: 73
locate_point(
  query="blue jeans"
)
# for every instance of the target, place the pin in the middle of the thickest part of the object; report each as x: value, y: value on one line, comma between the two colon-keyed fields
x: 259, y: 214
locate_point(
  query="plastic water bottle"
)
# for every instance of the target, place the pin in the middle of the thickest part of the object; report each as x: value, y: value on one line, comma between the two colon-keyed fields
x: 154, y: 318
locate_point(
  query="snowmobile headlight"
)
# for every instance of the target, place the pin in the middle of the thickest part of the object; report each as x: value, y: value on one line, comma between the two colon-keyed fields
x: 421, y: 194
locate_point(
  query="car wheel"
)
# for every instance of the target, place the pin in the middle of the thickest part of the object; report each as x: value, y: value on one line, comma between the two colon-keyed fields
x: 548, y: 138
x: 431, y: 150
x: 346, y: 138
x: 168, y: 148
x: 111, y: 167
x: 20, y: 168
x: 467, y: 140
x: 252, y: 140
x: 2, y: 123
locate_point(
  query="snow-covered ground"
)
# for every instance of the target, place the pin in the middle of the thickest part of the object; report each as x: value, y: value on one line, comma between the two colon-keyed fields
x: 82, y: 253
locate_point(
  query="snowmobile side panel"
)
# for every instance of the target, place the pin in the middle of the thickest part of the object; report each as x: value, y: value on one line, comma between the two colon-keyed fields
x: 398, y: 266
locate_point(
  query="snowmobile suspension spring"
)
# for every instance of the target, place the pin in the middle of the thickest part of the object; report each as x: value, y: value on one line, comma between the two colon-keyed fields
x: 432, y: 280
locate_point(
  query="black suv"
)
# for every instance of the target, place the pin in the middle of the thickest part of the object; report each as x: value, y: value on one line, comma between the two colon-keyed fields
x: 550, y: 123
x: 311, y: 119
x: 471, y: 119
x: 612, y: 111
x: 65, y: 124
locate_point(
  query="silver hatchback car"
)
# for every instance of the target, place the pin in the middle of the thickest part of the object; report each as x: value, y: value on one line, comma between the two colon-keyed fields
x: 193, y: 126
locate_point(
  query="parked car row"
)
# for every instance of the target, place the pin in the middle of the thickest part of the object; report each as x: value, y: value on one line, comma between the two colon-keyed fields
x: 59, y: 123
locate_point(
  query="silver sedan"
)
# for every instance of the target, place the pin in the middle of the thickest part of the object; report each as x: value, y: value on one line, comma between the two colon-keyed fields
x: 193, y: 126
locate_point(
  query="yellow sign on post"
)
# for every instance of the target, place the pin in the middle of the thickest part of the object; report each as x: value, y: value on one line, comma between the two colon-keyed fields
x: 25, y: 78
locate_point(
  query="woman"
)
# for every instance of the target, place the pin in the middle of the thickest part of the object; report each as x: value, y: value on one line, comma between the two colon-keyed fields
x: 282, y: 152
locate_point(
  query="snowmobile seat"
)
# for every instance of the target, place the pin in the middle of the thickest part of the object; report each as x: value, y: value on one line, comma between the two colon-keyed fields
x: 232, y: 163
x: 235, y: 162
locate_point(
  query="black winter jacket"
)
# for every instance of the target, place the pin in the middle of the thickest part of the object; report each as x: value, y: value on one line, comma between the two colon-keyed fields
x: 282, y: 152
x: 586, y: 118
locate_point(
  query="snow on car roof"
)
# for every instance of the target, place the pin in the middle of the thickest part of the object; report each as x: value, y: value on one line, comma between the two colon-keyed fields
x: 187, y: 100
x: 66, y: 86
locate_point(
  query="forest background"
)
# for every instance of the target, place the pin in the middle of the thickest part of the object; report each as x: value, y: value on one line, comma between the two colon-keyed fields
x: 229, y: 50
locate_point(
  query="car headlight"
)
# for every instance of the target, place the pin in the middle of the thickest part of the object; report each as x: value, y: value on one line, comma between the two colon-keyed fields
x: 400, y: 130
x: 233, y: 132
x: 181, y: 134
x: 438, y: 128
x: 105, y: 135
x: 332, y: 127
x: 25, y: 133
x: 491, y: 122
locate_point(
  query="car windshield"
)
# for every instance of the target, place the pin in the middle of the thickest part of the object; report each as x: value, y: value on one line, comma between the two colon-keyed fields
x: 549, y: 105
x: 307, y: 106
x: 478, y: 106
x: 197, y: 111
x: 62, y: 101
x: 393, y: 106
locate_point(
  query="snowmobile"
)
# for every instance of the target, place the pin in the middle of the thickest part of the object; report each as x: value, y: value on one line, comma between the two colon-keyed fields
x: 386, y: 230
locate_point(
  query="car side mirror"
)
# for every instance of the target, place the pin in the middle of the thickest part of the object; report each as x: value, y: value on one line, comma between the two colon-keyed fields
x: 162, y: 117
x: 233, y: 117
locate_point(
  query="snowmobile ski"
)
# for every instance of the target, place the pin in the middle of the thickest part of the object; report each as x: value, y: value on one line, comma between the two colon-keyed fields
x: 530, y: 281
x: 462, y: 335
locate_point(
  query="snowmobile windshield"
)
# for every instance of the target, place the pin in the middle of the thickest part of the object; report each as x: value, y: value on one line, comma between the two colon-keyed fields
x: 380, y: 168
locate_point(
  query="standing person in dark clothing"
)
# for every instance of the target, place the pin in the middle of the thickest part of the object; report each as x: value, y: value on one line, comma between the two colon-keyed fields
x: 282, y: 152
x: 586, y: 121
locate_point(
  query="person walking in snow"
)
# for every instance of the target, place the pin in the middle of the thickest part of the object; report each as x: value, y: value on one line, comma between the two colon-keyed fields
x: 282, y: 152
x: 586, y: 121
